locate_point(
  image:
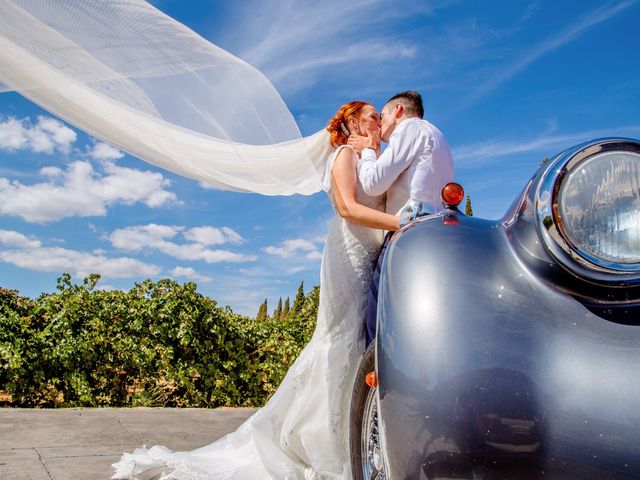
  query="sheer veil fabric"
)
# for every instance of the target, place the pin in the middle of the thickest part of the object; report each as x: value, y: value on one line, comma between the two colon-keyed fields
x: 302, y: 433
x: 128, y: 74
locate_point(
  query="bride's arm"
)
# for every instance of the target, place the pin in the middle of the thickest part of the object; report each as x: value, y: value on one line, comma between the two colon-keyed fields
x: 345, y: 178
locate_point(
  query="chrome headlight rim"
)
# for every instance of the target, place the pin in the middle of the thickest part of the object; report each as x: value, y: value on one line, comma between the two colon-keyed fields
x: 552, y: 229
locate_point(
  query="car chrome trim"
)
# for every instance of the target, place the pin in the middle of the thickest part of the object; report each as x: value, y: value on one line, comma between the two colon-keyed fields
x: 551, y: 228
x: 372, y: 458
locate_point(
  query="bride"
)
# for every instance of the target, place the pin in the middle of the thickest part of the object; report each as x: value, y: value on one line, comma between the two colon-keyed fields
x: 302, y: 431
x: 130, y: 75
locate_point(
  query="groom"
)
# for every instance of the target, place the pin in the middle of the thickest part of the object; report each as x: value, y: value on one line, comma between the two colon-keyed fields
x: 414, y: 167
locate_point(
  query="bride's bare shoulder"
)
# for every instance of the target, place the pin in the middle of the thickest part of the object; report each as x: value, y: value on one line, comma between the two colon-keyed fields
x: 346, y: 154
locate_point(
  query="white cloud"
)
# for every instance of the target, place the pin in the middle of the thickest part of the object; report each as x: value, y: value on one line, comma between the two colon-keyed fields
x: 141, y: 237
x: 104, y: 151
x: 156, y: 237
x: 81, y: 191
x: 9, y: 238
x: 315, y: 255
x: 213, y: 236
x: 46, y: 136
x: 53, y: 259
x: 295, y: 247
x: 195, y: 251
x: 190, y: 273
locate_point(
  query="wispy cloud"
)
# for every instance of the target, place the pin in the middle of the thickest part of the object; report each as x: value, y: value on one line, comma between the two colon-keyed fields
x: 349, y: 56
x: 547, y: 144
x: 573, y: 31
x: 295, y: 43
x: 190, y: 274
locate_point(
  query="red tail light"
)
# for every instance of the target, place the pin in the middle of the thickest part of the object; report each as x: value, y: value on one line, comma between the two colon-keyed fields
x: 452, y: 194
x: 371, y: 379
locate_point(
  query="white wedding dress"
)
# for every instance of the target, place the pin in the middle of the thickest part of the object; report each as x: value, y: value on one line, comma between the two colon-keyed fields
x: 303, y: 430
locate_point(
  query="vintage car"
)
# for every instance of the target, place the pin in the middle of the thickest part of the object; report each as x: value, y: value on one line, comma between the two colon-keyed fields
x: 510, y: 349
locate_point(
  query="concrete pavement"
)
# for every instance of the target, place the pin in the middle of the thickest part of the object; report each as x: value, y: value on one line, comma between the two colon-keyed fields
x: 82, y: 443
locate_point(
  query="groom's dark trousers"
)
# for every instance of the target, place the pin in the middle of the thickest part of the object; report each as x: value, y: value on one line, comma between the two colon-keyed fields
x: 372, y: 300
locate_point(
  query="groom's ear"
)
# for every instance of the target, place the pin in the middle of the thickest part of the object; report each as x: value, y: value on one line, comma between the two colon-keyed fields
x: 398, y: 110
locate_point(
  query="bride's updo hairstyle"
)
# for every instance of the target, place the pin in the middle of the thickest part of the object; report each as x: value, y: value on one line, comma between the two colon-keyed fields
x: 338, y: 126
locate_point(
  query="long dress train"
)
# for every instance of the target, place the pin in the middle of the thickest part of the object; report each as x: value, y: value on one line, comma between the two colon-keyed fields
x: 302, y: 432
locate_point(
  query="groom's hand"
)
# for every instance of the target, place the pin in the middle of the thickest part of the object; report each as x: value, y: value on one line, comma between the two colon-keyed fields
x: 373, y: 138
x: 360, y: 142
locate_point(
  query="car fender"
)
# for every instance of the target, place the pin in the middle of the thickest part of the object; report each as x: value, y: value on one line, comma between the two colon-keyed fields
x: 480, y: 358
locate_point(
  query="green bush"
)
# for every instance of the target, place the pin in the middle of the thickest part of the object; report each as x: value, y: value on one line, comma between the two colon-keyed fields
x: 159, y: 344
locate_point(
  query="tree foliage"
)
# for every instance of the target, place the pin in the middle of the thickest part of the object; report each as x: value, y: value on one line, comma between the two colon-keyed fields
x: 298, y: 301
x: 262, y: 315
x: 159, y: 344
x: 285, y: 309
x: 278, y: 311
x: 467, y: 208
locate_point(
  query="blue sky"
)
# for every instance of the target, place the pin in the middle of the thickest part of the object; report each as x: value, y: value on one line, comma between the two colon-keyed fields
x: 508, y: 82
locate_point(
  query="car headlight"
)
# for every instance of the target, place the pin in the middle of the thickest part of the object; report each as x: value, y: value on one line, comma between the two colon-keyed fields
x: 588, y: 207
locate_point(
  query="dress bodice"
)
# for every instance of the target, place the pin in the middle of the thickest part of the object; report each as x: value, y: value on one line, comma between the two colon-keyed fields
x: 369, y: 239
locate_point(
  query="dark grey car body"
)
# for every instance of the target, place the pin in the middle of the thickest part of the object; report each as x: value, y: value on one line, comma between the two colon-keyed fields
x: 496, y: 361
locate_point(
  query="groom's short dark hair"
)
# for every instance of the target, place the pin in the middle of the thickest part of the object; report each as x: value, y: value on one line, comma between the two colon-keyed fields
x: 411, y: 101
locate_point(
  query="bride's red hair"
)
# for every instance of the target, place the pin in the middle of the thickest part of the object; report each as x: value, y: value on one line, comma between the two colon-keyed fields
x: 336, y: 124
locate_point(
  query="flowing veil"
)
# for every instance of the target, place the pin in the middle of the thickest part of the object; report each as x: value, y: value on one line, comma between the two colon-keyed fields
x: 130, y: 75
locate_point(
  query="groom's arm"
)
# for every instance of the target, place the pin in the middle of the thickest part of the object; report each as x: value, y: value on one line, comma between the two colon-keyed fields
x: 377, y: 175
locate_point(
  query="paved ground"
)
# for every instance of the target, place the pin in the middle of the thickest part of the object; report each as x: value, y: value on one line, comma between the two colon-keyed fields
x: 81, y: 444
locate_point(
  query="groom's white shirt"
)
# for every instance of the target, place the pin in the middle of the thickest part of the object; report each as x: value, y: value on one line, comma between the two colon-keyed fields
x: 415, y: 165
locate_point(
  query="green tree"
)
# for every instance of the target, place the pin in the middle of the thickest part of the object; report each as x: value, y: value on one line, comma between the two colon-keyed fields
x: 298, y: 302
x: 262, y: 312
x: 278, y: 311
x: 310, y: 308
x: 467, y: 209
x: 285, y: 309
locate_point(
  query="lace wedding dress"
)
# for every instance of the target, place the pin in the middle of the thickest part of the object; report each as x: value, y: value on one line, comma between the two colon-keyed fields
x: 302, y: 432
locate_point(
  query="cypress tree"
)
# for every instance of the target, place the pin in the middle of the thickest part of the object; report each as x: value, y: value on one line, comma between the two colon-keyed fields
x: 311, y: 302
x: 298, y: 302
x: 262, y: 312
x: 277, y: 313
x: 467, y: 209
x: 285, y: 309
